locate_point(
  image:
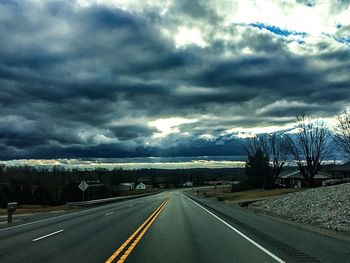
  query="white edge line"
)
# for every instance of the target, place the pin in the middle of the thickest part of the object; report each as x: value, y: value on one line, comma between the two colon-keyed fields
x: 110, y: 213
x: 51, y: 234
x: 240, y: 233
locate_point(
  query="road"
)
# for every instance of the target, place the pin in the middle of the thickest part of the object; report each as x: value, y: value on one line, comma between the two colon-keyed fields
x: 167, y: 227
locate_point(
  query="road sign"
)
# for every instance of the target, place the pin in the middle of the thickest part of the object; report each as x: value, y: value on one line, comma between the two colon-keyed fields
x: 83, y: 186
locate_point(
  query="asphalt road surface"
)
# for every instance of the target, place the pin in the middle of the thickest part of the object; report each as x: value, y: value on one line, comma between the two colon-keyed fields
x: 167, y: 227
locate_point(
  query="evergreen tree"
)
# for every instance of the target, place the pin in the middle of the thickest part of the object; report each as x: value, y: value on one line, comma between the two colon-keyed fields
x: 258, y: 170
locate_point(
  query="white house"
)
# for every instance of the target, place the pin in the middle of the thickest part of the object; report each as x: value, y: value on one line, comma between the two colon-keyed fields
x: 187, y: 184
x: 297, y: 180
x: 141, y: 186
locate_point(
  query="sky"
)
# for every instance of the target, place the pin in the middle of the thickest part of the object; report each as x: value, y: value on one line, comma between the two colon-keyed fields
x: 121, y: 79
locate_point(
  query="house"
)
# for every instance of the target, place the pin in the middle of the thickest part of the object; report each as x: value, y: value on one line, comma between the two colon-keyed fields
x: 340, y: 171
x: 126, y: 186
x: 188, y: 184
x: 141, y: 186
x: 340, y: 174
x: 297, y: 180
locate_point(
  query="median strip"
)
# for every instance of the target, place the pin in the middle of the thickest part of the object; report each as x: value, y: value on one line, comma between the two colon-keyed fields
x: 48, y: 235
x: 136, y: 236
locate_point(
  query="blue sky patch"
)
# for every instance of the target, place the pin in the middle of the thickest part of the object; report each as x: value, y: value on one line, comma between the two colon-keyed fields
x: 277, y: 30
x: 345, y: 40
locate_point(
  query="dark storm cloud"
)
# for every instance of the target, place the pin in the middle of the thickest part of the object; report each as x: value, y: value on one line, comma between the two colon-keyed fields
x: 127, y: 132
x: 85, y: 81
x: 200, y: 147
x: 196, y: 10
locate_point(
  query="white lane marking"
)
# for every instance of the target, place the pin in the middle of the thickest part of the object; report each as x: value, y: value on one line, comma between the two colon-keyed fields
x: 48, y: 235
x: 241, y: 234
x: 48, y: 219
x: 110, y: 213
x: 55, y: 217
x: 131, y: 205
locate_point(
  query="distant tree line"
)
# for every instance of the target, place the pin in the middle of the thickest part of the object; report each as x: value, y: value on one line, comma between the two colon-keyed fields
x: 309, y: 145
x: 30, y: 185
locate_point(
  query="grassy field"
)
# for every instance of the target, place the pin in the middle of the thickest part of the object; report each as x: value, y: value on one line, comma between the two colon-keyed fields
x: 223, y: 194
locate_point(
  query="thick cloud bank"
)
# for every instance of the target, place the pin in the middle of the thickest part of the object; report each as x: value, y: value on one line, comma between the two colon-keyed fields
x: 164, y: 78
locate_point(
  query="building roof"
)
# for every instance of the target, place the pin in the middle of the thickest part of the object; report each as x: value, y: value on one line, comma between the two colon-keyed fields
x: 298, y: 175
x: 128, y: 184
x: 344, y: 167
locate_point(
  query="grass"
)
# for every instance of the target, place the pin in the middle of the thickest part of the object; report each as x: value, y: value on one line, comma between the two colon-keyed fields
x: 223, y: 194
x: 30, y: 209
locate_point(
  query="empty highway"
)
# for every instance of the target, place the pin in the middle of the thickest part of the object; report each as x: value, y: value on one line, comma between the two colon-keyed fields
x: 167, y: 227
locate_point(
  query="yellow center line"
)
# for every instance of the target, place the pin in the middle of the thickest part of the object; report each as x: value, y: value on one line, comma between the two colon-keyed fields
x: 133, y: 245
x: 121, y: 248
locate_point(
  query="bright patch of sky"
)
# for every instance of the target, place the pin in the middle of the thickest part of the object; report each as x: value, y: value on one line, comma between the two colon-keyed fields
x: 187, y: 36
x: 243, y: 132
x: 292, y: 16
x: 208, y: 137
x: 281, y: 17
x: 168, y: 126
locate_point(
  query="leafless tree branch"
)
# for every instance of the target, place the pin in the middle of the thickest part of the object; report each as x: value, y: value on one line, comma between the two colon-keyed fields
x: 342, y: 132
x: 311, y: 146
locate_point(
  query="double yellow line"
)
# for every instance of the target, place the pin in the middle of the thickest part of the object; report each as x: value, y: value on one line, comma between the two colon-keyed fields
x: 136, y: 236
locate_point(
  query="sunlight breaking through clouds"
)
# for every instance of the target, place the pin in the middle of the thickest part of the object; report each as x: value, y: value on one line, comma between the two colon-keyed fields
x: 188, y: 36
x: 169, y: 125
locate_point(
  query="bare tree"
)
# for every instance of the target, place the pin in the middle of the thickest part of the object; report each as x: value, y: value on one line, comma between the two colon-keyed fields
x: 342, y: 132
x: 273, y: 146
x: 311, y: 146
x: 278, y: 153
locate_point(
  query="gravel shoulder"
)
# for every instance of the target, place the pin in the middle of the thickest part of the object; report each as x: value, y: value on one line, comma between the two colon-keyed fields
x: 326, y: 207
